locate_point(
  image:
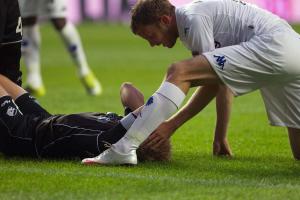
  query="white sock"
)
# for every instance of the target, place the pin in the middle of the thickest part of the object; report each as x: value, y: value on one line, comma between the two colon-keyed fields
x: 165, y: 101
x: 31, y: 54
x: 128, y: 120
x: 72, y: 42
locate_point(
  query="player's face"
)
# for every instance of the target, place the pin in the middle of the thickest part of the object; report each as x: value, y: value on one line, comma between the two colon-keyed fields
x: 158, y: 34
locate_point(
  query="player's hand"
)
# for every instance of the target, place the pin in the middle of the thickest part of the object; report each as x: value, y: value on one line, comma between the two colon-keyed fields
x: 159, y: 136
x: 221, y: 148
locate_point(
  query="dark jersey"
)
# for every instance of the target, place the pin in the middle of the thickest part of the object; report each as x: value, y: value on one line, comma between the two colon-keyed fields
x: 10, y: 22
x: 29, y: 130
x: 10, y: 40
x: 80, y: 132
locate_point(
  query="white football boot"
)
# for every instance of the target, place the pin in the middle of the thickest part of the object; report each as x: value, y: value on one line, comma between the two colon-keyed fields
x: 112, y: 157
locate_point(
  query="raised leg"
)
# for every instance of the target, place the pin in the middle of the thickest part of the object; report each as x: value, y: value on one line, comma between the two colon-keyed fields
x: 31, y: 54
x: 72, y: 41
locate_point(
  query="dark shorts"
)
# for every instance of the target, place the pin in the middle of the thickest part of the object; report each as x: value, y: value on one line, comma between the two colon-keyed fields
x: 10, y: 56
x: 73, y: 135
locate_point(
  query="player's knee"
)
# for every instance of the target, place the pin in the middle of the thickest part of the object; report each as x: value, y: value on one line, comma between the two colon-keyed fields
x: 174, y: 72
x: 59, y: 23
x: 126, y: 89
x: 125, y: 86
x: 131, y: 96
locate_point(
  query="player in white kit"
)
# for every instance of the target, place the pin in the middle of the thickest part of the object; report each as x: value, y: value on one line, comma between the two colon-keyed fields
x: 55, y: 10
x: 258, y: 50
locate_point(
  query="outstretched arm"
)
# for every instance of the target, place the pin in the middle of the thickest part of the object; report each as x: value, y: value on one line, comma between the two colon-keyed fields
x: 223, y: 107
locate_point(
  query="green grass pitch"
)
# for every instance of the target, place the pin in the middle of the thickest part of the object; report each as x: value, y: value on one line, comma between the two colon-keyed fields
x: 262, y: 167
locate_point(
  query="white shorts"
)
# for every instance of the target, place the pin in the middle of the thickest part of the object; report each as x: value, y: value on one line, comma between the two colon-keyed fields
x: 44, y: 8
x: 269, y: 62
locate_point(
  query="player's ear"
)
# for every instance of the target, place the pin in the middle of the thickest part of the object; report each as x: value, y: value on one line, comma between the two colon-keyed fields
x: 165, y: 20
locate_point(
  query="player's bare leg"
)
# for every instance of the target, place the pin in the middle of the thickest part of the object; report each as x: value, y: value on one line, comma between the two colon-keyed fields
x: 74, y: 46
x: 180, y: 77
x: 131, y: 97
x: 192, y: 72
x: 294, y: 136
x: 27, y: 104
x: 11, y: 88
x: 3, y: 92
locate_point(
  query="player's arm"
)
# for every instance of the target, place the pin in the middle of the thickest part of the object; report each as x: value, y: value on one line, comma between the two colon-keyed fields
x: 203, y: 41
x: 223, y: 106
x: 224, y: 100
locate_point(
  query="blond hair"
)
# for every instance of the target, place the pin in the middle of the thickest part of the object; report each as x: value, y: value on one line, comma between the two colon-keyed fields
x: 163, y: 153
x: 147, y: 12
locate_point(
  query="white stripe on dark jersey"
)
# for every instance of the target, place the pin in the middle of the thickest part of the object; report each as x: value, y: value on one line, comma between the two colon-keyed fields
x: 8, y: 43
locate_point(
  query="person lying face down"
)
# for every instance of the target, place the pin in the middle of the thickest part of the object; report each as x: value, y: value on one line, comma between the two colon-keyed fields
x: 27, y: 129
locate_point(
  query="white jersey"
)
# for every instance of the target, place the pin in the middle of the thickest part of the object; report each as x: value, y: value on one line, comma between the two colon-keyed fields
x: 204, y: 25
x: 258, y: 51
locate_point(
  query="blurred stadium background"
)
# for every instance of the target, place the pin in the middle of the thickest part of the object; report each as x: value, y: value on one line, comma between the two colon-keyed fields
x: 116, y: 10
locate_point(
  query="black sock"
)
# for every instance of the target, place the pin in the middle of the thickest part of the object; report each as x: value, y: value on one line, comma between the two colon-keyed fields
x: 29, y: 105
x: 127, y: 110
x: 111, y: 136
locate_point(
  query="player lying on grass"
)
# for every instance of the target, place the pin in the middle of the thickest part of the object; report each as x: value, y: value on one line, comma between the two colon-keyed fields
x: 258, y: 51
x: 26, y: 129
